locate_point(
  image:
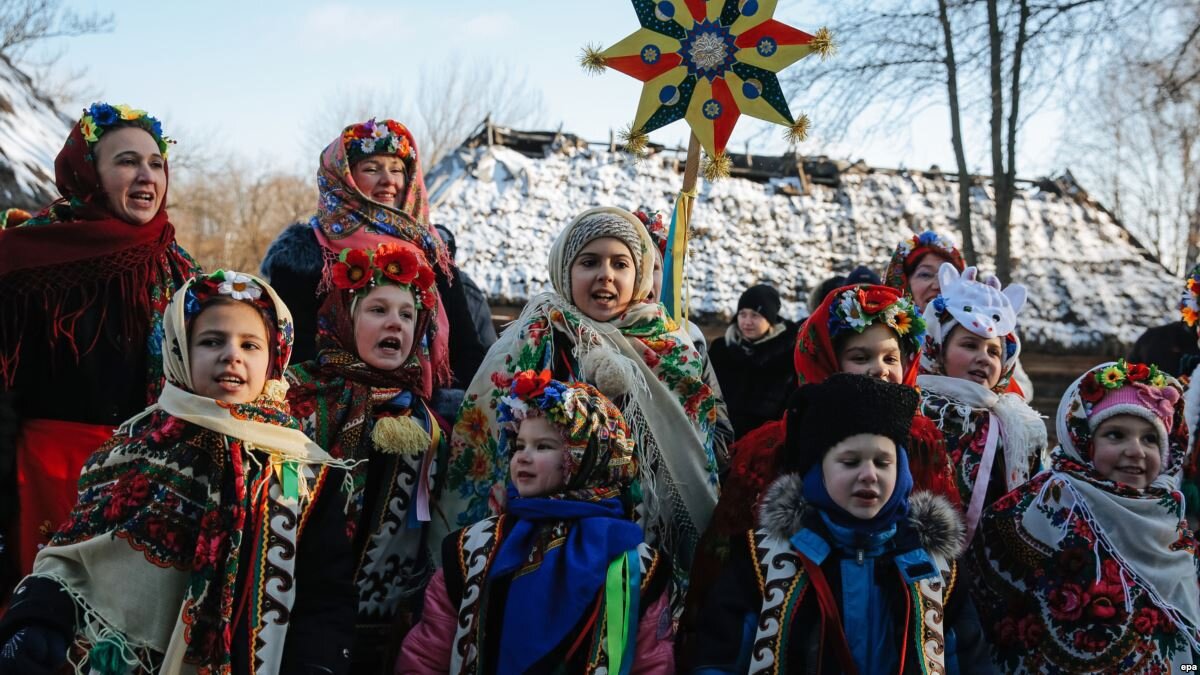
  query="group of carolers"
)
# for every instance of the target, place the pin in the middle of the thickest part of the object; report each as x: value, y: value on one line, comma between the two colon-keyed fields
x: 180, y: 499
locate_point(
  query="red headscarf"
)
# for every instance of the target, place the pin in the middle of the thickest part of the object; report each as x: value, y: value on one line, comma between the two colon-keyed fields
x: 815, y: 357
x: 346, y: 218
x: 67, y: 258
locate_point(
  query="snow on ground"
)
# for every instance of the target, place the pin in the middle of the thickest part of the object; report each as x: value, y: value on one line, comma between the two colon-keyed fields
x: 31, y: 133
x: 1090, y: 288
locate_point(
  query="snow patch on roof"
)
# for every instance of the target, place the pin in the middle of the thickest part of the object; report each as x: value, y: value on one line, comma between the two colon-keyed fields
x: 31, y: 133
x: 1090, y: 288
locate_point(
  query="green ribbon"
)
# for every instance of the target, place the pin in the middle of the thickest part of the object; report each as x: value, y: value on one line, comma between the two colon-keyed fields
x: 622, y: 589
x: 290, y: 479
x: 107, y: 658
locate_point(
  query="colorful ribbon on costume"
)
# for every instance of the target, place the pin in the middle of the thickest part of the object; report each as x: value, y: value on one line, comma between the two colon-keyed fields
x: 621, y: 592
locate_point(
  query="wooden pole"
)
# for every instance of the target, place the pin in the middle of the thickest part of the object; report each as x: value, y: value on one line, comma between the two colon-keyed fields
x: 692, y: 168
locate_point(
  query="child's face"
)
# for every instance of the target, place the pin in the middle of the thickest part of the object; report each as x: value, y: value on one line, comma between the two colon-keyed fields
x: 923, y: 282
x: 384, y: 323
x: 229, y: 353
x: 537, y: 461
x: 875, y: 352
x: 968, y: 356
x: 860, y: 474
x: 1125, y: 448
x: 603, y: 277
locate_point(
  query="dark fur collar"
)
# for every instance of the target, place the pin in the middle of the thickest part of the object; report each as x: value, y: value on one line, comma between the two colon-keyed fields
x: 937, y: 524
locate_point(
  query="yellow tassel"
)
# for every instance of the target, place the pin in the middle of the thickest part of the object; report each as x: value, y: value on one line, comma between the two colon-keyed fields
x: 635, y: 142
x: 400, y: 436
x: 823, y: 44
x: 592, y: 60
x: 717, y: 166
x: 798, y: 131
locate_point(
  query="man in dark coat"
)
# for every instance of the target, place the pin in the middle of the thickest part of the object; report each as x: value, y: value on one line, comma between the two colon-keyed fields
x: 753, y: 361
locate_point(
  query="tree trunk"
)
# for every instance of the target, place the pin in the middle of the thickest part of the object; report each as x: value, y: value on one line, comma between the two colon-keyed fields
x: 1000, y: 186
x: 1004, y: 210
x: 960, y: 154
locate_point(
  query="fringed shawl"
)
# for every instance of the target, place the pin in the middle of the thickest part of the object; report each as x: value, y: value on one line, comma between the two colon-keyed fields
x: 1080, y: 573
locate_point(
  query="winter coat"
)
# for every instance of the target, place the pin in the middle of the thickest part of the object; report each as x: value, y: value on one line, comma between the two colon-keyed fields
x: 1172, y: 347
x: 770, y: 583
x: 429, y: 645
x: 481, y: 314
x: 756, y: 377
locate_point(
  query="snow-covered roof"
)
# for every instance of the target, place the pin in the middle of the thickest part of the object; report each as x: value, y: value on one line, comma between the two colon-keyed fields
x: 31, y: 133
x: 1090, y: 287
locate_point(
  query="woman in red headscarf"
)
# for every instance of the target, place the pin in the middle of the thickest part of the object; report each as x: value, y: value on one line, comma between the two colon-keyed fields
x: 867, y: 330
x: 83, y: 287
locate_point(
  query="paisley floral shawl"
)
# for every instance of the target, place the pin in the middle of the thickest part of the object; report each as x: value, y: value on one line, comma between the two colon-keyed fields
x: 151, y: 550
x: 1077, y: 572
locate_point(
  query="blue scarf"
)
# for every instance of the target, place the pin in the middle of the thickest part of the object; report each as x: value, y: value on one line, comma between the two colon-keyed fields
x: 892, y: 512
x: 547, y: 603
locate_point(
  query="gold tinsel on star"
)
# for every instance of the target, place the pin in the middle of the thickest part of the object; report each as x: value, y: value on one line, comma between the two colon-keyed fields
x: 717, y: 166
x: 635, y: 142
x: 593, y: 60
x: 822, y: 44
x: 798, y: 131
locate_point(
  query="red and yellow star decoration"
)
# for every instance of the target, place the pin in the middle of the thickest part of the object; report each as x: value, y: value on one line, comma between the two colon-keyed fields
x: 709, y: 62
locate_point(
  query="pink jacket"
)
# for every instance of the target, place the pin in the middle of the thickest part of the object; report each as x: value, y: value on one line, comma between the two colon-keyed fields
x: 426, y: 648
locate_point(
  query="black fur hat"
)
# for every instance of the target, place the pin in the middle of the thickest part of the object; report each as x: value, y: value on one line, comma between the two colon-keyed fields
x: 819, y: 416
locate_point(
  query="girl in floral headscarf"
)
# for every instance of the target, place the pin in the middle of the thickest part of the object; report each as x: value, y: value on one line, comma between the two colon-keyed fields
x: 994, y: 440
x: 596, y: 328
x: 207, y: 536
x: 365, y: 398
x: 562, y: 581
x: 1090, y: 567
x: 372, y: 191
x: 83, y: 287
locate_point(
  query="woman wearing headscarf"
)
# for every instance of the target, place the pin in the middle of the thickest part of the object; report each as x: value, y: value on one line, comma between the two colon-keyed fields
x: 83, y: 287
x: 372, y: 190
x: 596, y: 327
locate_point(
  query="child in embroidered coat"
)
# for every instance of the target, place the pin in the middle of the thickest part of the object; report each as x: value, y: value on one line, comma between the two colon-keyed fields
x: 1090, y: 566
x: 866, y: 330
x: 207, y: 534
x: 993, y: 438
x: 596, y: 327
x: 563, y: 581
x: 848, y: 571
x: 365, y: 398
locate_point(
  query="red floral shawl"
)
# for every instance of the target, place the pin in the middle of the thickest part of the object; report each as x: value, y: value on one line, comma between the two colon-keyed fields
x: 64, y: 261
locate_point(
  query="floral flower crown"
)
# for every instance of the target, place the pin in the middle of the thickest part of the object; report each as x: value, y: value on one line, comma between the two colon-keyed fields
x: 360, y: 270
x: 1100, y: 381
x: 388, y: 137
x: 927, y: 239
x: 653, y: 221
x: 233, y: 284
x: 533, y: 390
x: 101, y: 117
x: 857, y: 308
x: 1189, y: 302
